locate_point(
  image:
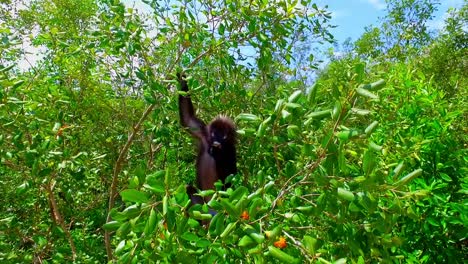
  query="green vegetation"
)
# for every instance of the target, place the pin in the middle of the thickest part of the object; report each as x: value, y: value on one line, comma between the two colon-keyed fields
x: 364, y: 163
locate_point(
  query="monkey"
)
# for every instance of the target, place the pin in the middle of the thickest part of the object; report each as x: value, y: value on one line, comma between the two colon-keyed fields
x: 216, y: 158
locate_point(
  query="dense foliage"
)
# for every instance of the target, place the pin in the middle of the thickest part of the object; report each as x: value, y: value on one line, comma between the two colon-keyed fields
x: 367, y: 164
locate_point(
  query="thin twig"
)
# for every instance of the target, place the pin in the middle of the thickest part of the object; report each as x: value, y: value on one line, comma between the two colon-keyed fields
x: 57, y: 217
x: 115, y: 176
x: 300, y: 246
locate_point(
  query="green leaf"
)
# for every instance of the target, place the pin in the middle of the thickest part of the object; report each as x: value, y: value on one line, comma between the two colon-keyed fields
x: 228, y: 229
x: 120, y: 247
x: 274, y: 233
x: 293, y: 105
x: 279, y: 105
x: 203, y: 243
x: 310, y: 244
x: 221, y: 29
x: 150, y: 223
x: 132, y: 195
x: 247, y: 117
x: 140, y: 74
x: 347, y: 135
x: 377, y: 85
x: 262, y: 37
x: 361, y: 112
x: 246, y: 241
x: 320, y: 114
x: 165, y: 205
x: 22, y: 188
x: 445, y: 177
x: 189, y: 236
x: 366, y: 93
x: 111, y: 226
x: 398, y: 169
x: 433, y: 222
x: 285, y: 114
x: 157, y: 87
x: 305, y: 209
x: 373, y: 86
x: 359, y: 69
x: 230, y: 208
x: 375, y: 147
x: 336, y: 112
x: 206, y: 193
x: 294, y: 96
x: 293, y: 131
x: 340, y: 261
x: 238, y: 193
x: 281, y: 256
x: 370, y: 128
x: 124, y: 229
x: 17, y: 84
x: 148, y: 95
x: 258, y: 238
x: 261, y: 130
x: 155, y: 182
x: 252, y: 25
x: 311, y: 98
x: 361, y: 260
x: 5, y: 69
x: 254, y: 207
x: 220, y: 225
x: 131, y: 211
x: 199, y: 216
x: 353, y: 207
x: 409, y: 177
x: 345, y: 194
x: 368, y: 162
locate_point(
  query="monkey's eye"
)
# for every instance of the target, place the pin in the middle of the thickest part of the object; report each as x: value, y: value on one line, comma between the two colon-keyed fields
x: 225, y: 136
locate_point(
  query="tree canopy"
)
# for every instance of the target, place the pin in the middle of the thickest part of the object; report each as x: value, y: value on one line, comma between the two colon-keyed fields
x: 363, y: 160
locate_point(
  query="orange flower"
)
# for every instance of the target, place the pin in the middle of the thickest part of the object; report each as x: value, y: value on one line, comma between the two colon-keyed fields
x: 281, y: 243
x: 61, y: 129
x: 245, y: 215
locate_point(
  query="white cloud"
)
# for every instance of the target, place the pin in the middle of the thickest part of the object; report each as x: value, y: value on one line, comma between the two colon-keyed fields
x: 138, y: 5
x: 454, y: 3
x: 377, y: 4
x: 339, y: 13
x: 437, y: 24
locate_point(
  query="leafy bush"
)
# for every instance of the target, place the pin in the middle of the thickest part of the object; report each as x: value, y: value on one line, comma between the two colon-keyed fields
x: 366, y: 165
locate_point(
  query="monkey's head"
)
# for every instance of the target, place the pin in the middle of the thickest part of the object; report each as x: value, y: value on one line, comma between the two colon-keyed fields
x: 222, y: 133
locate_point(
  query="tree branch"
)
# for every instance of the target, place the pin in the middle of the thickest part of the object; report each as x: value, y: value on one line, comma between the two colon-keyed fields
x: 115, y: 177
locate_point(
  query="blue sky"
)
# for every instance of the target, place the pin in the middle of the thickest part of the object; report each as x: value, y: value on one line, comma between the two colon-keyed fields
x: 352, y: 16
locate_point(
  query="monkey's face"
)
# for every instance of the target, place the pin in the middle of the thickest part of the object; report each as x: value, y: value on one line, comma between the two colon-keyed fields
x: 218, y: 139
x: 222, y: 135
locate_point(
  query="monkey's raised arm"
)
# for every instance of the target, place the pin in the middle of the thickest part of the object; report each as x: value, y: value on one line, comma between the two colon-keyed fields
x: 187, y: 114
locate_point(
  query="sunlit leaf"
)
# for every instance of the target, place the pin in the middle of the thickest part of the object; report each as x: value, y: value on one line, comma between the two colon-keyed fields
x: 111, y: 226
x: 294, y: 96
x: 281, y: 255
x: 345, y: 194
x: 132, y: 195
x: 247, y: 117
x: 366, y: 93
x: 409, y: 177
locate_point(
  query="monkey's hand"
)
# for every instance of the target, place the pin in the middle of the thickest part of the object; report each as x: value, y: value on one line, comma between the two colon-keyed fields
x: 182, y: 81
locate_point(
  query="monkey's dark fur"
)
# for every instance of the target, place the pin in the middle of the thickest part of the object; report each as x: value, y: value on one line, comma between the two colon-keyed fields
x: 216, y: 158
